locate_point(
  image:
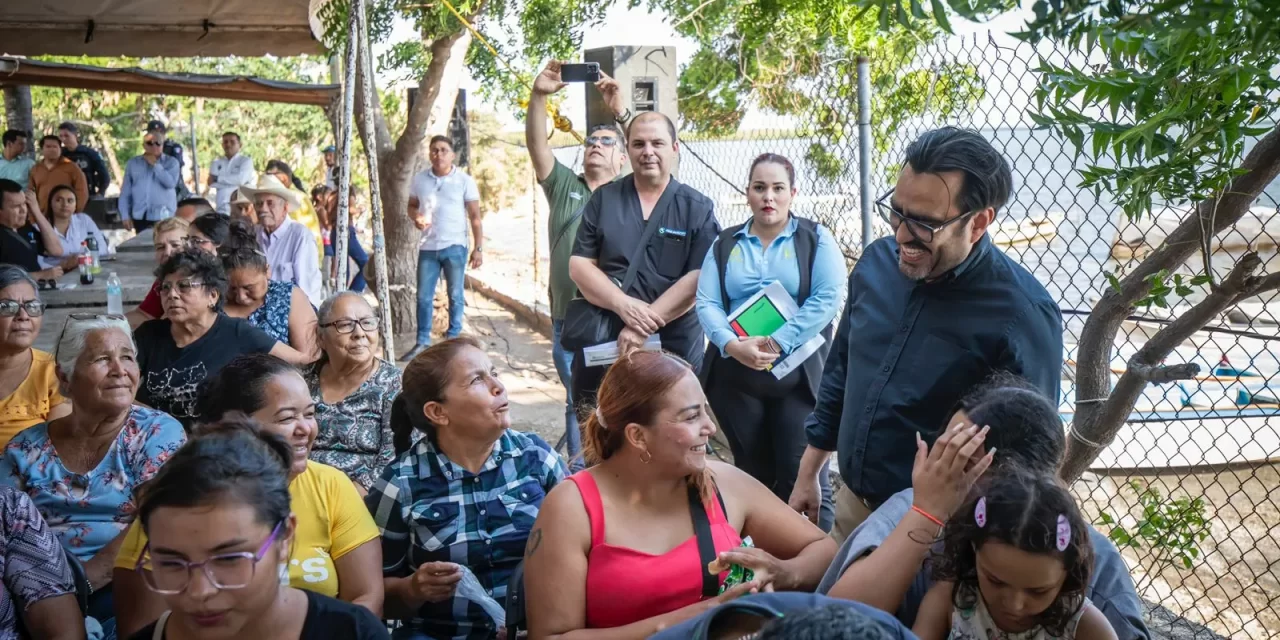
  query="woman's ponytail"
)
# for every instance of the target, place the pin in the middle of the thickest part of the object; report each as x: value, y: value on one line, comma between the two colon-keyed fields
x: 401, y: 425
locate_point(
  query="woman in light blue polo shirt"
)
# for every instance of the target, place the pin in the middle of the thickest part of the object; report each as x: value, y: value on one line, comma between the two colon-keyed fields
x: 761, y: 414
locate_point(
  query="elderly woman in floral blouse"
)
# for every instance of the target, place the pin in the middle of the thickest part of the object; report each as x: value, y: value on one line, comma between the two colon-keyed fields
x: 81, y: 470
x: 353, y: 390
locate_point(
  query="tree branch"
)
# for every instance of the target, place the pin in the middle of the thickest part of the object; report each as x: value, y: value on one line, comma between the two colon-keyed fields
x: 1258, y: 169
x: 1102, y: 421
x: 1162, y: 374
x: 1097, y: 421
x: 1265, y: 284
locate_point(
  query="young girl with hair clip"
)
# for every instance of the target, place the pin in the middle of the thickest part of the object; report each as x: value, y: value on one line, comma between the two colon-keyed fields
x: 1015, y: 565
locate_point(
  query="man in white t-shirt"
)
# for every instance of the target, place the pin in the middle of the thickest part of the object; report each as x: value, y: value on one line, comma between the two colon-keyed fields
x: 230, y: 172
x: 443, y: 200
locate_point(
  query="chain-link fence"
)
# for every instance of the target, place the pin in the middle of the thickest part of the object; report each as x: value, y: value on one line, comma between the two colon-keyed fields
x: 1197, y: 459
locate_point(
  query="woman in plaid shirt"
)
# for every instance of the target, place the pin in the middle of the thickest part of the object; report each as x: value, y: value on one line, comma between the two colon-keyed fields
x: 461, y: 501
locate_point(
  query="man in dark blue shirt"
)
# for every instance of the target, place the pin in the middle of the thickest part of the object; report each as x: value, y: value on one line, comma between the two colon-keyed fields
x: 89, y: 161
x: 930, y: 311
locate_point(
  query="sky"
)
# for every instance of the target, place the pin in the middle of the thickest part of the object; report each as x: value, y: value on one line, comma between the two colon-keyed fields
x: 637, y: 26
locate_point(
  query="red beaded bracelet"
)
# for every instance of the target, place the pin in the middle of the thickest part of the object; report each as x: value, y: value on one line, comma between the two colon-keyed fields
x: 929, y: 516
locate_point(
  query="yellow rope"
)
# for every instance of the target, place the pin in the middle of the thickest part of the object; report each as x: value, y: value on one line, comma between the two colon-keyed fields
x: 560, y: 122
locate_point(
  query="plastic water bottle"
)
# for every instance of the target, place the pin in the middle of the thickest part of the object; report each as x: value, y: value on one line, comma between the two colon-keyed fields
x: 115, y: 295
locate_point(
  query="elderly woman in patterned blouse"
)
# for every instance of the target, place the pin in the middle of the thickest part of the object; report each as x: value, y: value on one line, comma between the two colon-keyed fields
x: 81, y: 470
x: 38, y: 586
x: 353, y: 390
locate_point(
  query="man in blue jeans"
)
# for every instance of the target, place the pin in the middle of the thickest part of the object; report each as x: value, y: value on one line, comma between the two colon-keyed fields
x: 567, y: 192
x: 442, y: 201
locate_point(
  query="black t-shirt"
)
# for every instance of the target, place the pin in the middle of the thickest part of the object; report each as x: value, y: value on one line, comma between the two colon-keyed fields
x: 327, y: 619
x: 21, y: 247
x: 612, y: 223
x: 171, y: 375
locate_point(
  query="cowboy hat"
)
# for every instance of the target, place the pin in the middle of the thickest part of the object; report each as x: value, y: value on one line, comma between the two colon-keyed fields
x: 269, y: 185
x: 239, y: 198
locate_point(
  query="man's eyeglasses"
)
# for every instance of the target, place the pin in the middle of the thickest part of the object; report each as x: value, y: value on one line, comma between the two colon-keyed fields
x: 172, y: 576
x: 368, y: 325
x: 604, y: 141
x: 9, y: 308
x: 184, y: 286
x: 195, y: 241
x: 920, y: 230
x: 149, y: 143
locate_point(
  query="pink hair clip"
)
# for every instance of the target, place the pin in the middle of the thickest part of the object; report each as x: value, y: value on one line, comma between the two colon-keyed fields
x: 980, y: 512
x: 1064, y: 532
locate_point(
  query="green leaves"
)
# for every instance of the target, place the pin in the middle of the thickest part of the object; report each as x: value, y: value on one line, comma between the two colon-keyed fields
x: 1171, y: 93
x: 113, y: 122
x: 1171, y: 528
x: 1161, y: 285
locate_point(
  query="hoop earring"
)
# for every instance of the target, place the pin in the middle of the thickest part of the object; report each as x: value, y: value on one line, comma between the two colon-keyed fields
x: 643, y: 453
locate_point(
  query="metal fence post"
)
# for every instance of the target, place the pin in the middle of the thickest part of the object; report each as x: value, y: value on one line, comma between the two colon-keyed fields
x: 864, y: 147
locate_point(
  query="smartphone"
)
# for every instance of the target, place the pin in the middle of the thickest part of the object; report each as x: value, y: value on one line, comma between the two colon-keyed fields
x: 580, y: 72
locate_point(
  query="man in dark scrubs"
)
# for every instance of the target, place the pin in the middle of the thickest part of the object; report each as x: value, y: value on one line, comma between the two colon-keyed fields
x: 661, y: 299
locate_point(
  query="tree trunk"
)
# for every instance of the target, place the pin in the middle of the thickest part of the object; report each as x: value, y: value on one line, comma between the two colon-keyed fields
x: 399, y: 161
x: 17, y: 113
x: 1100, y: 410
x: 107, y: 143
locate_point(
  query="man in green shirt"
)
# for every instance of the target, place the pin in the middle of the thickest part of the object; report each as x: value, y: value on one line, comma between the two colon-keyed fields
x: 13, y: 164
x: 567, y: 192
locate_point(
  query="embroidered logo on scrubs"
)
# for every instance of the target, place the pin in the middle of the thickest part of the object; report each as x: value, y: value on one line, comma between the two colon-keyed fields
x: 672, y: 233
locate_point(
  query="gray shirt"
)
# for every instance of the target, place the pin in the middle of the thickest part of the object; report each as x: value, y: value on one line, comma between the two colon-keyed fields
x: 1110, y: 589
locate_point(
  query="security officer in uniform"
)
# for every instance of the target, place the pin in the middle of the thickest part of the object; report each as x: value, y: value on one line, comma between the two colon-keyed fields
x: 637, y: 255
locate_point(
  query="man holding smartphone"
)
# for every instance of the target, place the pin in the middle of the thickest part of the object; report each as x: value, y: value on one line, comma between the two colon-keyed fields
x: 567, y: 193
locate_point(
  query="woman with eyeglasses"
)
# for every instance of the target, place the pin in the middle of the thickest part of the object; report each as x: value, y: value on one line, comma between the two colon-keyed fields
x: 219, y: 525
x: 335, y: 550
x: 169, y: 236
x: 72, y: 228
x: 28, y: 384
x: 763, y: 414
x: 281, y: 309
x: 81, y: 470
x: 306, y: 212
x: 353, y: 390
x: 209, y: 232
x: 195, y: 339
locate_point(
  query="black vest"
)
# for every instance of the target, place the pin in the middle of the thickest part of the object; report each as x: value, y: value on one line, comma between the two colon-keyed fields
x: 806, y: 242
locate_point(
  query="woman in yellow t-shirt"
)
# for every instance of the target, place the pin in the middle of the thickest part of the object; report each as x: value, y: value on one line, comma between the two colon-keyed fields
x: 336, y: 550
x: 28, y: 384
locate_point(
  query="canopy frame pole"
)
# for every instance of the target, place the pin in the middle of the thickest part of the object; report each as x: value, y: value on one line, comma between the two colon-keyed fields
x: 375, y: 190
x: 340, y: 224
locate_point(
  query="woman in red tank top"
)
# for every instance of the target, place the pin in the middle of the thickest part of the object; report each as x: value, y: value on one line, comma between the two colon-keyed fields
x: 617, y: 547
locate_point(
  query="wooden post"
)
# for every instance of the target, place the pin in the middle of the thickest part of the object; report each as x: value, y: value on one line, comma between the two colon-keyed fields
x: 375, y: 192
x: 345, y: 119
